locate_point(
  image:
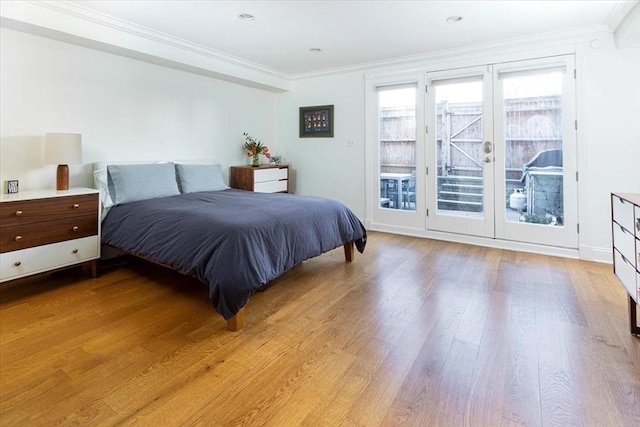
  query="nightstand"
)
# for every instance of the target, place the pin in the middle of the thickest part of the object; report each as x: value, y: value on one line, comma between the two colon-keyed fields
x: 46, y: 230
x: 261, y: 179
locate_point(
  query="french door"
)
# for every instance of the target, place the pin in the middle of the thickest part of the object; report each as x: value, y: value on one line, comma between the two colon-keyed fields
x: 501, y: 151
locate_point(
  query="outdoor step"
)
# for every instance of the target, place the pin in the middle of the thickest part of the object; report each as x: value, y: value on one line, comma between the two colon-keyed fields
x: 460, y: 202
x: 459, y: 194
x: 461, y: 178
x: 466, y: 186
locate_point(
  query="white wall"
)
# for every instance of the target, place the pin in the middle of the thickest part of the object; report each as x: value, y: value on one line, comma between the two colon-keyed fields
x: 125, y: 110
x: 327, y: 167
x: 608, y: 136
x: 608, y: 141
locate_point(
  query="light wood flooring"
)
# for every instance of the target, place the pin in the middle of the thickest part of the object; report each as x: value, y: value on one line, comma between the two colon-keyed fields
x: 414, y: 332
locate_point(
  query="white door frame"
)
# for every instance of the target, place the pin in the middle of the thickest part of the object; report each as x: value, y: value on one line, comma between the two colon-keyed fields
x: 394, y: 220
x: 560, y: 236
x: 473, y: 226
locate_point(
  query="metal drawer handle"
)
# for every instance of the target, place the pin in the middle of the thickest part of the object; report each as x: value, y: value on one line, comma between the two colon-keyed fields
x: 76, y: 206
x: 17, y: 263
x: 75, y: 251
x: 75, y: 228
x: 17, y: 238
x: 18, y: 212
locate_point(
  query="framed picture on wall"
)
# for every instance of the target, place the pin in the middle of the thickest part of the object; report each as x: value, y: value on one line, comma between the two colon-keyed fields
x: 316, y: 122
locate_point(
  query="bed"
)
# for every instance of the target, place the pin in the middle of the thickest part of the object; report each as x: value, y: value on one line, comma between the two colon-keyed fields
x: 233, y: 241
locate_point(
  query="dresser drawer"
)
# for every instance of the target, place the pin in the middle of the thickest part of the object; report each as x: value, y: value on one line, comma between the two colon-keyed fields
x: 270, y: 187
x: 623, y: 213
x: 626, y: 274
x: 42, y: 258
x: 42, y: 233
x: 272, y: 174
x: 18, y: 212
x: 625, y: 242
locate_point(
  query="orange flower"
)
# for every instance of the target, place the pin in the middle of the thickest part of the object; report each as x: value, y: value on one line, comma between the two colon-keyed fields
x: 253, y: 146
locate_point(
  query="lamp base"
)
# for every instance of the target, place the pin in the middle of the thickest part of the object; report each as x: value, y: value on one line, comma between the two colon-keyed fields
x: 62, y: 177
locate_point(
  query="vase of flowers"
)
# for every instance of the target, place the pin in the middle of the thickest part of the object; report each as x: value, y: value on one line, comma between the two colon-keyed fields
x: 254, y: 148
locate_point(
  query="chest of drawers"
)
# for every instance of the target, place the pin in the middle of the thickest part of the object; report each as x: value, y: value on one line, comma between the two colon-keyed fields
x: 625, y: 227
x: 46, y: 230
x: 261, y: 179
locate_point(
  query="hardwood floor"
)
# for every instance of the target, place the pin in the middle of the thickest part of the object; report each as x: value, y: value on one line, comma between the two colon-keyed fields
x: 413, y: 332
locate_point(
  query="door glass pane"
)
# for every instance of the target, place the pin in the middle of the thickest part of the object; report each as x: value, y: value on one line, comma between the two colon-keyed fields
x: 533, y: 147
x: 397, y: 169
x: 459, y: 147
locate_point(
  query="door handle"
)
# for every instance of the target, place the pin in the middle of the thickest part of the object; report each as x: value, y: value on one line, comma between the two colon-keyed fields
x: 488, y: 147
x: 487, y: 159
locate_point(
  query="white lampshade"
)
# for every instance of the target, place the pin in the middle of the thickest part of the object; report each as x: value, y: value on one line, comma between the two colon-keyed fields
x: 62, y: 148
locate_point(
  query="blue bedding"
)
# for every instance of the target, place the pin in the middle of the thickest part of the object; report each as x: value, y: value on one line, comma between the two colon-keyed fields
x: 234, y: 241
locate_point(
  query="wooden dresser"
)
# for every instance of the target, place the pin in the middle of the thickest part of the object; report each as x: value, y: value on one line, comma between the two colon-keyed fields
x: 625, y: 228
x: 261, y: 179
x: 45, y: 230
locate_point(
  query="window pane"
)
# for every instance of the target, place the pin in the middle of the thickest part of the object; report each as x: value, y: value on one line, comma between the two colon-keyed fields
x: 533, y: 147
x: 459, y: 148
x: 397, y: 139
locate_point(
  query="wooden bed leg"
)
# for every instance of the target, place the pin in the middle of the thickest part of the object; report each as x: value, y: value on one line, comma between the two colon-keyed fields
x: 237, y: 321
x: 348, y: 251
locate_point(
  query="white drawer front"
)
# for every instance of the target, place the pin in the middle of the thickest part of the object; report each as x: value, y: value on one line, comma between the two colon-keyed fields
x: 270, y: 186
x: 623, y: 213
x: 47, y: 257
x: 273, y: 174
x: 626, y: 274
x: 624, y: 242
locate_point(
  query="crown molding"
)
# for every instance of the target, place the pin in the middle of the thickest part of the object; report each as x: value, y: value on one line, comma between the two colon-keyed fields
x: 96, y: 17
x: 73, y: 23
x: 77, y: 24
x: 557, y: 40
x: 619, y: 12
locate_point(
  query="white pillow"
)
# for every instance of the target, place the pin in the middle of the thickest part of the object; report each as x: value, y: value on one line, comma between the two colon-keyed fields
x: 131, y: 183
x: 195, y: 178
x: 101, y: 183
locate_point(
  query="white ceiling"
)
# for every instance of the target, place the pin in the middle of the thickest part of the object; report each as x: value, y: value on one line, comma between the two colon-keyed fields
x: 352, y: 33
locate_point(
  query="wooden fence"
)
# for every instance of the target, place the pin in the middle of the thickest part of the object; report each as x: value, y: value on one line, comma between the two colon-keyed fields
x: 531, y: 125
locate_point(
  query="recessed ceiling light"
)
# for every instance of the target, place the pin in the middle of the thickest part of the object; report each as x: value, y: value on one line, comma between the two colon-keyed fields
x: 246, y: 17
x: 315, y: 49
x: 454, y: 18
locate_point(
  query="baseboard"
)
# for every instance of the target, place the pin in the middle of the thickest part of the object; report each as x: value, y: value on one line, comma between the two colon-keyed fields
x: 481, y: 241
x: 590, y: 253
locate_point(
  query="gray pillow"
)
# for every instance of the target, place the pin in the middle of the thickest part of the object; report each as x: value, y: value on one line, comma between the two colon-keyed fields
x: 129, y: 183
x: 194, y: 178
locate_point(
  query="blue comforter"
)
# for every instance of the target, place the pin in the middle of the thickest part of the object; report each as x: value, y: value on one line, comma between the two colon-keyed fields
x: 232, y: 240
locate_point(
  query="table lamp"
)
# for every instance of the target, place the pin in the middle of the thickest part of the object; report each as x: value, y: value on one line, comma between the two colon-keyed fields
x: 62, y: 149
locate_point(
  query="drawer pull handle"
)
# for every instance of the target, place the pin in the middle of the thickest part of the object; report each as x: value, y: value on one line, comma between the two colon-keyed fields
x: 18, y: 212
x: 75, y: 228
x: 17, y: 263
x: 75, y: 251
x: 76, y: 206
x: 17, y: 238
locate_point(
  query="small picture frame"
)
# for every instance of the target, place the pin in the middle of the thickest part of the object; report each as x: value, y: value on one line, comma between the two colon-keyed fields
x: 275, y: 160
x: 316, y: 122
x: 11, y: 186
